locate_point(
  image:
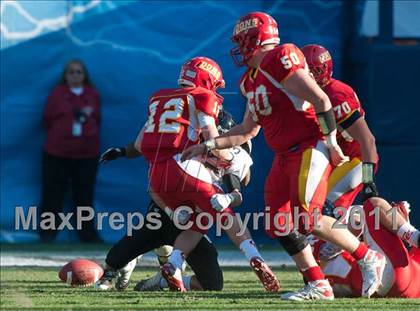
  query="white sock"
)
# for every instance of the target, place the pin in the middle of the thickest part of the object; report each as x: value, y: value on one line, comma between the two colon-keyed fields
x: 186, y: 279
x: 409, y: 234
x: 249, y: 249
x: 177, y: 259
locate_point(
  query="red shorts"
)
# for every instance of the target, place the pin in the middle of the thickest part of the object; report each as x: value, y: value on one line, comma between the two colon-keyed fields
x: 344, y: 183
x: 176, y: 188
x: 295, y: 190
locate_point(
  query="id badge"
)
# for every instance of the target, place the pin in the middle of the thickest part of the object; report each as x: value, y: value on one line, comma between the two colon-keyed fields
x: 77, y: 129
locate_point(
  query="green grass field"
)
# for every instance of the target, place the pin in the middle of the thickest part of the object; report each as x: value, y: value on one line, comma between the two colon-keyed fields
x: 40, y: 289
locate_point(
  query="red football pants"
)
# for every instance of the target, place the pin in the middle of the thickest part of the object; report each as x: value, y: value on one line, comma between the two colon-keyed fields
x: 176, y: 188
x: 295, y: 190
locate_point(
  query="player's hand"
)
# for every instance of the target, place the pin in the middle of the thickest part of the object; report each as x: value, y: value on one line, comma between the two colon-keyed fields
x: 193, y: 151
x: 369, y: 191
x: 220, y: 201
x: 336, y: 155
x: 111, y: 154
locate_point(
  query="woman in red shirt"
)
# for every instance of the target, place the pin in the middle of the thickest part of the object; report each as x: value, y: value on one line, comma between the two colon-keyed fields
x: 72, y: 120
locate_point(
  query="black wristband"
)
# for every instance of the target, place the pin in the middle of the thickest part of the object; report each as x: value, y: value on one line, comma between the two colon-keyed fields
x: 123, y: 151
x: 326, y: 121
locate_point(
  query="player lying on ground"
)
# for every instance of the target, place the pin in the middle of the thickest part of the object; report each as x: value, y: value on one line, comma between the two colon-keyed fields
x: 354, y: 136
x: 121, y: 259
x: 401, y: 276
x: 299, y: 126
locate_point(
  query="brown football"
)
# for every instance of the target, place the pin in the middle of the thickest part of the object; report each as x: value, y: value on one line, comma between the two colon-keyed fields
x: 80, y: 272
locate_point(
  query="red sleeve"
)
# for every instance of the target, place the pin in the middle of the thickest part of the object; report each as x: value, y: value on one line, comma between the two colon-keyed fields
x: 286, y: 59
x: 345, y: 104
x: 208, y: 103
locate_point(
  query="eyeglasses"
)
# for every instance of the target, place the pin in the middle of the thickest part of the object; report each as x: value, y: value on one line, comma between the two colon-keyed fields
x: 77, y: 71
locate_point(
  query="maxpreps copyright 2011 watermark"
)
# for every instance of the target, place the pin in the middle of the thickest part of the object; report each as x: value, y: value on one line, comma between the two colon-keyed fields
x: 181, y: 218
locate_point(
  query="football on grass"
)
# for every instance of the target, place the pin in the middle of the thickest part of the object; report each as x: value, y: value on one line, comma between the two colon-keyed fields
x: 80, y: 272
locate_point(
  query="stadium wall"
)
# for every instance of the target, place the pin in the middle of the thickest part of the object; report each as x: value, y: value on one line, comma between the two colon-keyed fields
x: 133, y: 48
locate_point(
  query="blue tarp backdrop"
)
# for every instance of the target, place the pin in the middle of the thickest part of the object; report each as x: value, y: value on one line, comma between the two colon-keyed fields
x: 131, y: 49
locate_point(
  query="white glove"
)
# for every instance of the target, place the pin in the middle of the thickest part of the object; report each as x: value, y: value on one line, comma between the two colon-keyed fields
x: 220, y: 201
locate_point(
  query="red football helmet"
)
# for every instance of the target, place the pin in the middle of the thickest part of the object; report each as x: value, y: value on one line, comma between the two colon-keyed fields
x: 201, y: 71
x: 251, y: 32
x: 320, y: 62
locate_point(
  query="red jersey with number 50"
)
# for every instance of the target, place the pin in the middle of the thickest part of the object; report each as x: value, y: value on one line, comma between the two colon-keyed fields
x: 288, y: 122
x: 173, y: 124
x: 347, y: 110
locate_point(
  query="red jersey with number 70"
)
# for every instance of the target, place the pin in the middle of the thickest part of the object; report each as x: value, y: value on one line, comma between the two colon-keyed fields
x: 288, y: 122
x: 347, y: 110
x: 173, y: 125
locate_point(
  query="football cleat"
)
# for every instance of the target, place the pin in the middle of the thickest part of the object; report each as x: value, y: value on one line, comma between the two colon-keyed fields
x: 173, y: 277
x: 149, y: 285
x: 106, y: 282
x: 124, y: 274
x: 118, y: 279
x: 264, y: 273
x: 316, y: 290
x: 372, y: 267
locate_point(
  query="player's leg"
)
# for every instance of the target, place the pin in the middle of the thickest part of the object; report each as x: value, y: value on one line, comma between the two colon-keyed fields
x: 55, y: 181
x: 279, y: 222
x: 203, y: 261
x: 171, y: 188
x: 294, y: 189
x: 398, y: 273
x: 197, y: 192
x: 395, y: 219
x: 121, y: 258
x: 241, y: 237
x: 344, y: 183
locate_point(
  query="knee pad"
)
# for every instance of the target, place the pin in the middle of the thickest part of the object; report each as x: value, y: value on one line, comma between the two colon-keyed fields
x: 293, y: 243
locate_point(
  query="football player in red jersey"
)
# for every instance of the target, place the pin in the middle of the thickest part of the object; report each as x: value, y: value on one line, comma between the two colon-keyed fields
x: 299, y: 126
x: 355, y: 138
x: 385, y: 234
x: 177, y: 119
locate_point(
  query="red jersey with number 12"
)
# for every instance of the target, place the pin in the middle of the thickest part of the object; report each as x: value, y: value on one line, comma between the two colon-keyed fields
x: 288, y: 122
x: 173, y: 124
